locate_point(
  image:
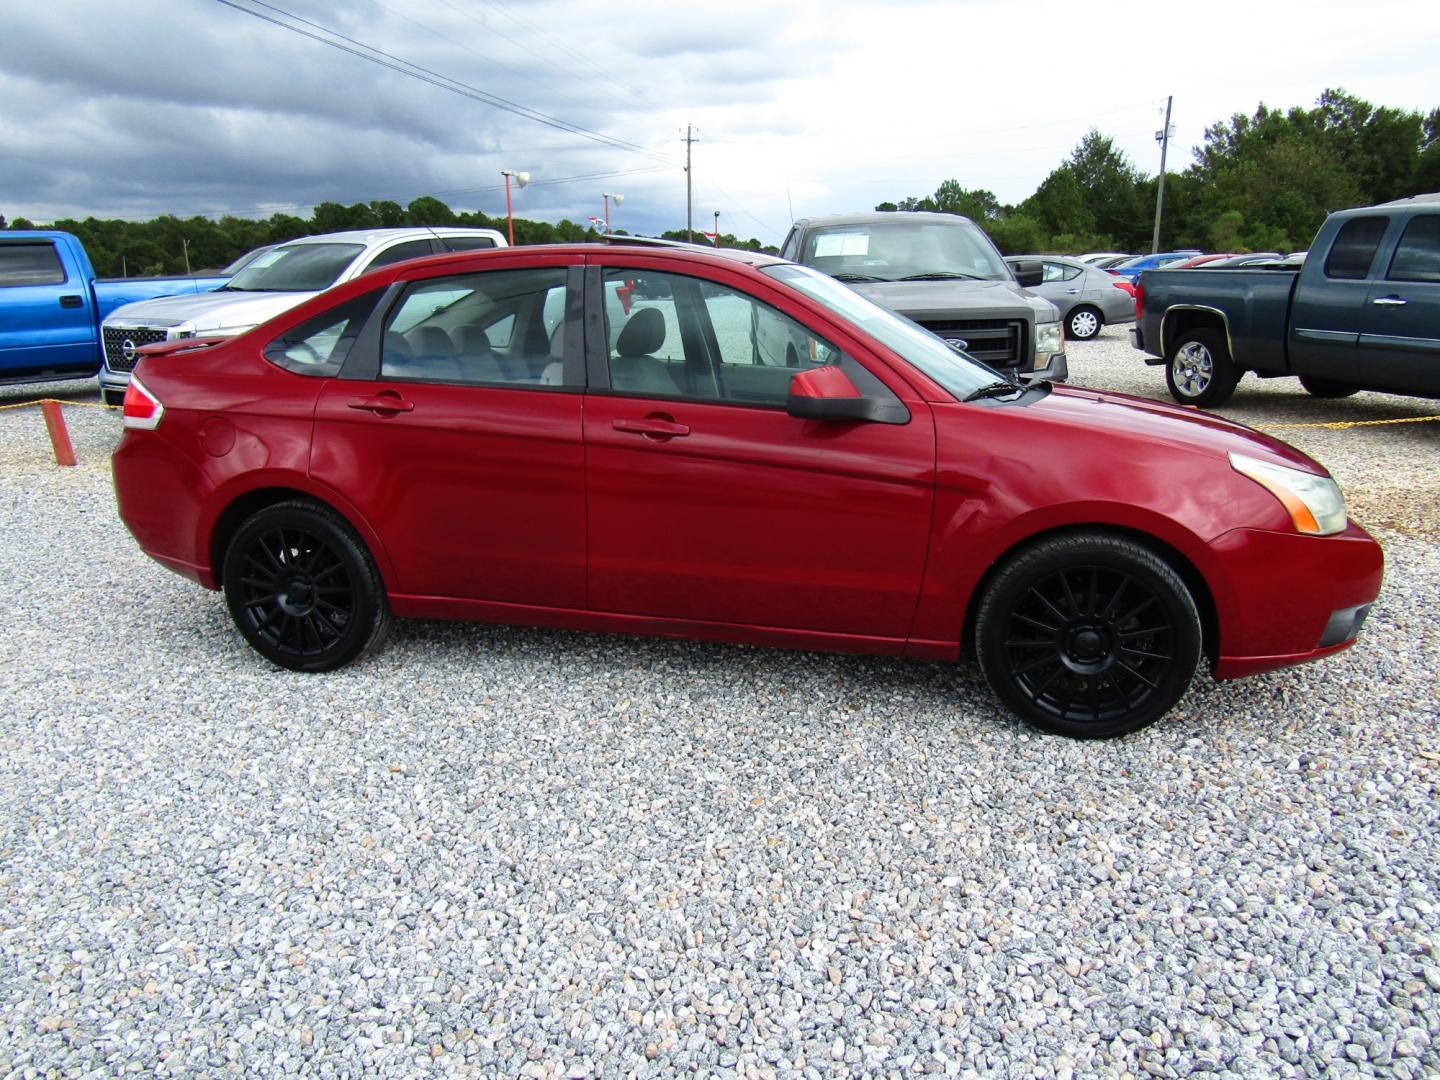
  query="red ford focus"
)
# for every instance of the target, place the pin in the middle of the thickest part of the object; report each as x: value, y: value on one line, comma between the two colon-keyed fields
x: 730, y: 447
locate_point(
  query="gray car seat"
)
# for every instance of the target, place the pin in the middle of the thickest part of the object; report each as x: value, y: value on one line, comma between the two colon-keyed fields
x: 634, y: 369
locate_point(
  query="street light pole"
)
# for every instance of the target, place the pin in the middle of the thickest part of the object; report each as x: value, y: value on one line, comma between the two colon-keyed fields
x: 607, y: 196
x: 521, y: 179
x: 716, y: 242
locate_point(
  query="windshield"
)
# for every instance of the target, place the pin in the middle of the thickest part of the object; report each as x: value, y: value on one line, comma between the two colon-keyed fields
x: 957, y: 372
x: 297, y: 268
x: 245, y: 260
x: 901, y: 250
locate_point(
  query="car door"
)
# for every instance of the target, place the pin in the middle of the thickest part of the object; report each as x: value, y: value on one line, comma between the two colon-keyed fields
x: 456, y: 431
x: 46, y: 320
x: 707, y: 500
x: 1331, y: 298
x: 1400, y: 341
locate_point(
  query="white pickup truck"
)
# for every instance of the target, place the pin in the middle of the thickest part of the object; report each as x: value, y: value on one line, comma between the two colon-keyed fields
x: 275, y: 282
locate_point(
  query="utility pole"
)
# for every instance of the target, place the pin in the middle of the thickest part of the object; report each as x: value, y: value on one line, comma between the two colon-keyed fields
x: 185, y: 247
x: 689, y: 199
x: 1163, y: 137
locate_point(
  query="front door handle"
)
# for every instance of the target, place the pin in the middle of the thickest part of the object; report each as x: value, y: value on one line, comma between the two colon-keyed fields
x: 653, y: 427
x: 1390, y: 301
x: 71, y: 300
x: 383, y: 403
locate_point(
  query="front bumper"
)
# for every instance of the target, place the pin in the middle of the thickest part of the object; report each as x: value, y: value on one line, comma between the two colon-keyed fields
x: 1288, y: 599
x: 1056, y: 369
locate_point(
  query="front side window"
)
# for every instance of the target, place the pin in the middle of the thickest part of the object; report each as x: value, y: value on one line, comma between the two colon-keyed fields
x: 493, y: 327
x: 1354, y: 248
x: 296, y: 268
x: 30, y: 263
x: 1417, y: 258
x: 904, y: 250
x: 319, y: 345
x: 675, y: 336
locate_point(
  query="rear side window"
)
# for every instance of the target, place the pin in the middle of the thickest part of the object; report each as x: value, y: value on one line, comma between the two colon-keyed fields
x: 318, y: 346
x: 466, y: 243
x: 1354, y: 248
x: 1417, y: 258
x: 411, y: 249
x: 32, y: 263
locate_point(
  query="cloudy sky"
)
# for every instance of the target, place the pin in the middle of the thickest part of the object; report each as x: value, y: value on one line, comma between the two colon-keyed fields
x: 141, y: 107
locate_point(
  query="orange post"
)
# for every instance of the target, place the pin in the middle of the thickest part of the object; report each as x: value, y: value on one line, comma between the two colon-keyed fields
x: 59, y: 436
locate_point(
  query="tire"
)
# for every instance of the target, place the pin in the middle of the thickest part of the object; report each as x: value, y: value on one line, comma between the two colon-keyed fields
x: 302, y: 588
x: 1083, y: 323
x: 1320, y: 388
x: 1199, y: 369
x: 1088, y: 635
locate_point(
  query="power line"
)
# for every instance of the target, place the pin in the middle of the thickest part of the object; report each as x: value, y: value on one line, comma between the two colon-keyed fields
x: 443, y: 82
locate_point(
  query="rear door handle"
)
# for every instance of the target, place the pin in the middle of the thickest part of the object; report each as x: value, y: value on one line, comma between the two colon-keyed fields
x: 1072, y: 290
x: 1390, y: 301
x: 383, y: 403
x: 653, y: 428
x: 71, y: 300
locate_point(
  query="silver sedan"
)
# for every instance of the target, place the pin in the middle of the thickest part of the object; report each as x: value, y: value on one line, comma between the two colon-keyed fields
x: 1088, y: 298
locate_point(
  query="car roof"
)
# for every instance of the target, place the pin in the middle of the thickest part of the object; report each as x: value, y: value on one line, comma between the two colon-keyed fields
x: 880, y: 217
x: 752, y: 258
x: 378, y: 236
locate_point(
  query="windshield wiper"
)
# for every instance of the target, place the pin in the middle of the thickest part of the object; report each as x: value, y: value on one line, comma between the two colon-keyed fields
x: 943, y: 275
x: 857, y: 277
x: 994, y: 389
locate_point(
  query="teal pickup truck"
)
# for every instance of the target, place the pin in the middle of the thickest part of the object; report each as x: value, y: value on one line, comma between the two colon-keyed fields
x: 1362, y: 312
x: 51, y: 305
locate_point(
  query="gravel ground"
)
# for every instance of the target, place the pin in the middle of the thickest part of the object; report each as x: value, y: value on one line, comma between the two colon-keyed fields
x: 495, y: 851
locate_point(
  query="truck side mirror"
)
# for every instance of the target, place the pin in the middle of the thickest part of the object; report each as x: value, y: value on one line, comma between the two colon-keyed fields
x: 1028, y: 272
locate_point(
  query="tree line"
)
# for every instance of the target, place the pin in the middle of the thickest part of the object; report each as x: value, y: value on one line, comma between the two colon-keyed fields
x: 1261, y: 182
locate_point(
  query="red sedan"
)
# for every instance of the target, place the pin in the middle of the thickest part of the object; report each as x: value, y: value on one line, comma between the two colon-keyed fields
x: 730, y: 447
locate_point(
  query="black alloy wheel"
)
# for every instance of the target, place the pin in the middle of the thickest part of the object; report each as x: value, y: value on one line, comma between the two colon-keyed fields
x: 302, y: 588
x: 1088, y: 635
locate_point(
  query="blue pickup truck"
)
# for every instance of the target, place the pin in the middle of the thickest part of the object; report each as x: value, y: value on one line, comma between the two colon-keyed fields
x: 1362, y: 312
x: 51, y: 305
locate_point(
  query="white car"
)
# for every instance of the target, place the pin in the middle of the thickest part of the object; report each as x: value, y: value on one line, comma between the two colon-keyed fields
x: 276, y: 281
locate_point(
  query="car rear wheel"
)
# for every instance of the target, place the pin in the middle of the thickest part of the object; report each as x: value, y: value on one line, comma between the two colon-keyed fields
x: 1322, y: 389
x: 1200, y: 370
x: 302, y: 588
x: 1088, y: 635
x: 1083, y: 323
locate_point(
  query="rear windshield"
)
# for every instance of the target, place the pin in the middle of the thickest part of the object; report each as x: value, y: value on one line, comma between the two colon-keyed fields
x: 296, y: 268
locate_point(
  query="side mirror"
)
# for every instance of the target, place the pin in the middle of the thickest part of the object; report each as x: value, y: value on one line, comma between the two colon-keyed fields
x: 1028, y: 272
x: 826, y: 393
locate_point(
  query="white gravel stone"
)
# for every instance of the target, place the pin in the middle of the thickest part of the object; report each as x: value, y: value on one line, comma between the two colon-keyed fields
x: 493, y: 851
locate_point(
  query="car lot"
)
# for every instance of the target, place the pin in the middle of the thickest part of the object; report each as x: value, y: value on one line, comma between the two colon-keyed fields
x: 513, y: 852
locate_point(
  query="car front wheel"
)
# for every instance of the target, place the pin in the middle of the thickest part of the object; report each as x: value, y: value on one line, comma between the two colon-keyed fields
x: 1088, y: 635
x: 302, y: 588
x: 1200, y: 370
x: 1084, y: 323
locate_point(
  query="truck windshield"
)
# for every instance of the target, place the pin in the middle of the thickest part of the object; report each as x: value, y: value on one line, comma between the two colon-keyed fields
x: 902, y: 250
x: 296, y: 268
x: 956, y: 371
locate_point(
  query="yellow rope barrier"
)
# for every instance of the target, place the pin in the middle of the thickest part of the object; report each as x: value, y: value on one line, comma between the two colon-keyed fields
x: 59, y: 401
x: 1341, y: 425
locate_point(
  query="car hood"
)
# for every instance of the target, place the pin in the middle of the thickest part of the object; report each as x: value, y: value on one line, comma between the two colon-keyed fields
x: 931, y: 300
x: 1156, y: 422
x: 208, y: 311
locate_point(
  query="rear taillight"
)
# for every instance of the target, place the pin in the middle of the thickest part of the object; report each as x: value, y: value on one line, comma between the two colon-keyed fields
x: 1139, y: 301
x: 142, y: 408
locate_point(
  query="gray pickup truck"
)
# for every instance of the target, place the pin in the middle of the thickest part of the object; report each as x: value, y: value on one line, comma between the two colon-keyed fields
x: 1362, y: 312
x: 943, y: 272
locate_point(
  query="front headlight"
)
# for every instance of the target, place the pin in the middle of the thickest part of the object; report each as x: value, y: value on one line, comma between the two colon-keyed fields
x: 1047, y: 339
x: 1315, y: 503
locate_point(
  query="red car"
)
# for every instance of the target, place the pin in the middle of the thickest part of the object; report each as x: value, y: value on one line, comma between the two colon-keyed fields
x: 749, y: 451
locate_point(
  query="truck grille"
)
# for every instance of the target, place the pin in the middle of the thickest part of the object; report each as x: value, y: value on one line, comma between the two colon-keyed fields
x: 997, y: 342
x: 121, y: 343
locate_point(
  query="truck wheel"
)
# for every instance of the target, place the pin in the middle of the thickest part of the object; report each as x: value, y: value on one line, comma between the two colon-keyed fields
x: 1199, y: 370
x: 1083, y: 324
x: 1089, y: 635
x: 1322, y: 389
